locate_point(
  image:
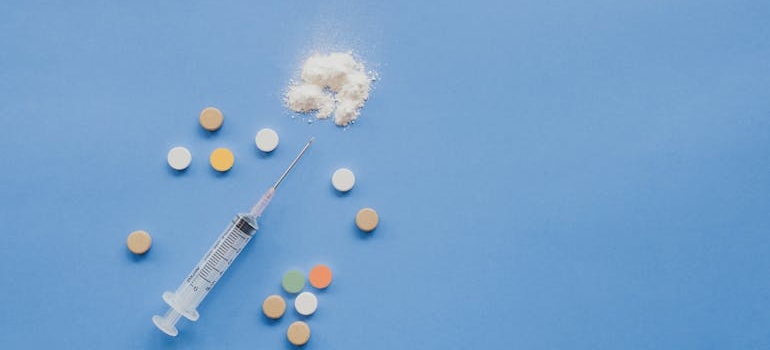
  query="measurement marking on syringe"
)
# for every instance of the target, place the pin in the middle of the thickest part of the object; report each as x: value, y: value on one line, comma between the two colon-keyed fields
x: 221, y: 256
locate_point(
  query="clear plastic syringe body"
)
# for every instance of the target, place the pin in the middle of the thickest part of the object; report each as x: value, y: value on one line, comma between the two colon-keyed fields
x: 185, y: 300
x: 194, y: 288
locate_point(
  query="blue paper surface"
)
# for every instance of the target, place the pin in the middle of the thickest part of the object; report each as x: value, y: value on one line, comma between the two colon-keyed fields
x: 548, y: 174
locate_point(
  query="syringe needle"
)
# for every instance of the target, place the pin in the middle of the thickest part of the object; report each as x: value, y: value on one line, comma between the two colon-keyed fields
x: 293, y: 163
x: 257, y: 209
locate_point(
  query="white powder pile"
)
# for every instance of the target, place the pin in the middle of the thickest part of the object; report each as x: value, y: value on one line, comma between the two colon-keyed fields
x: 331, y: 83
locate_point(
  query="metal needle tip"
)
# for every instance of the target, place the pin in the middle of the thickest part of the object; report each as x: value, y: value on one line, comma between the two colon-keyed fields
x: 293, y: 162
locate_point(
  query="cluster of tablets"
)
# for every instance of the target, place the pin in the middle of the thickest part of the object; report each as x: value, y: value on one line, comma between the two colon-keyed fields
x: 306, y: 303
x: 293, y: 282
x: 221, y: 159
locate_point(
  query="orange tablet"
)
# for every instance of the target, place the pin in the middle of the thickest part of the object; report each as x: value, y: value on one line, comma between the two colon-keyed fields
x: 320, y: 276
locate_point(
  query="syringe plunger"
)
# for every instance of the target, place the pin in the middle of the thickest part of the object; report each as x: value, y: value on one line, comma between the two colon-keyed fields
x: 185, y: 300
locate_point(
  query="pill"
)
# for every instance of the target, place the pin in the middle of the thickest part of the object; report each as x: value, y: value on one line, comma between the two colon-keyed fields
x: 343, y: 179
x: 293, y: 281
x: 266, y: 140
x: 211, y: 119
x: 320, y: 276
x: 274, y: 306
x: 367, y: 219
x: 179, y: 158
x: 306, y: 303
x: 222, y: 159
x: 298, y: 333
x: 139, y: 242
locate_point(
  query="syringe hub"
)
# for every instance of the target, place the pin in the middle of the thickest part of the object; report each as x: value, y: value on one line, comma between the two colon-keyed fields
x: 257, y: 209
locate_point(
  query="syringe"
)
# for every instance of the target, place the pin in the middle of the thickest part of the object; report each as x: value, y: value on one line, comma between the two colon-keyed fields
x: 185, y: 301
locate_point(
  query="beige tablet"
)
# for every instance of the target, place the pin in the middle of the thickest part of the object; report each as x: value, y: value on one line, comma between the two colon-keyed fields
x: 367, y: 219
x: 298, y: 333
x: 139, y: 242
x: 211, y: 119
x: 274, y: 307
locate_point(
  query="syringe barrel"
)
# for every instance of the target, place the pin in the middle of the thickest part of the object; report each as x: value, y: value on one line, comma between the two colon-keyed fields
x: 216, y: 261
x: 207, y: 272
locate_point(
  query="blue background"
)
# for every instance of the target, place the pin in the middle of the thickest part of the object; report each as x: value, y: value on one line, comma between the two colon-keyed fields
x: 549, y: 174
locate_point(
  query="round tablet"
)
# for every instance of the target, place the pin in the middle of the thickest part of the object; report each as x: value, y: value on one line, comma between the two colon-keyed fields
x: 139, y: 242
x: 306, y: 303
x: 179, y: 158
x: 293, y: 281
x: 274, y: 306
x: 367, y: 219
x: 320, y: 276
x: 222, y: 159
x: 343, y: 179
x: 266, y: 140
x: 211, y: 119
x: 298, y: 333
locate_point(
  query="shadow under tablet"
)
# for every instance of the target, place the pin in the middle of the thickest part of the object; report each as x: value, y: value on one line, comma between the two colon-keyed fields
x: 361, y: 234
x: 137, y: 257
x: 175, y: 172
x: 208, y: 134
x: 340, y: 194
x: 220, y: 174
